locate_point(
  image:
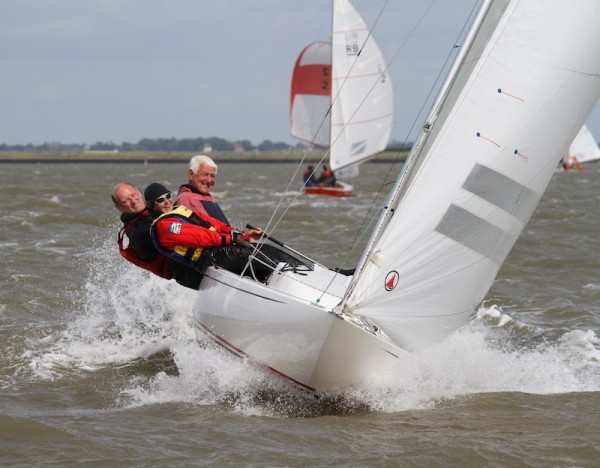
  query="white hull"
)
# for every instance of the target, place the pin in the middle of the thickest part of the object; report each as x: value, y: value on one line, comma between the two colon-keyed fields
x: 303, y: 341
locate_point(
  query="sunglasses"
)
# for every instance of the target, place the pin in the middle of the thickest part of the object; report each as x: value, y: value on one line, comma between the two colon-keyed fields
x: 167, y: 196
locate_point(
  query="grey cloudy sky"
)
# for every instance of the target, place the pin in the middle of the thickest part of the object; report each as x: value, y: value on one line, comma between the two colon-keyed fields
x: 83, y: 71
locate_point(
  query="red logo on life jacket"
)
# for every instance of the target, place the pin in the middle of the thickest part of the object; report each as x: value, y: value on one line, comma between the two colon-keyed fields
x: 391, y: 280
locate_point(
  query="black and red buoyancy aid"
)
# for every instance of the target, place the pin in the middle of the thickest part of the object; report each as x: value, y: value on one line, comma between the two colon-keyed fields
x: 160, y: 266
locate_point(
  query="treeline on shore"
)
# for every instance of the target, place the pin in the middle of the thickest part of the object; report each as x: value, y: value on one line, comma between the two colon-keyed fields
x: 174, y: 145
x: 157, y: 157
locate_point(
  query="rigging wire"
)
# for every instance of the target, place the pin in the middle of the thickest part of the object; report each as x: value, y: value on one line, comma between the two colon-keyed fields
x: 388, y: 179
x: 372, y: 213
x: 322, y: 123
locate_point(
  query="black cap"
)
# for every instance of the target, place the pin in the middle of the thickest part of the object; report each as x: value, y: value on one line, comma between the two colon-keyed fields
x: 153, y: 191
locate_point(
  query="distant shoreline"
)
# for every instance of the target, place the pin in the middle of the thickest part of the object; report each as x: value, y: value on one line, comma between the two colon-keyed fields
x: 169, y: 158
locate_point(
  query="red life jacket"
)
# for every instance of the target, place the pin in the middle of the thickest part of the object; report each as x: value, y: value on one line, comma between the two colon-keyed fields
x: 160, y: 266
x: 191, y: 256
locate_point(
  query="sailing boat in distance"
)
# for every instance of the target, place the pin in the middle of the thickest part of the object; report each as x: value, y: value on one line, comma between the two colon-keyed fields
x: 584, y: 149
x: 523, y: 84
x: 342, y: 98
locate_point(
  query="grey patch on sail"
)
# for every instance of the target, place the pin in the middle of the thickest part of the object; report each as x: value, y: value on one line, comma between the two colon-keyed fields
x: 358, y: 148
x: 475, y: 233
x: 502, y: 192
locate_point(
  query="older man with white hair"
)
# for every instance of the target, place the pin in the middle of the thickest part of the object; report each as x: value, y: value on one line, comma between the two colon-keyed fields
x: 195, y: 195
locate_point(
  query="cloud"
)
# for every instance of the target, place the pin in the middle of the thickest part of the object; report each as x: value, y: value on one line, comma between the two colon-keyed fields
x: 121, y: 70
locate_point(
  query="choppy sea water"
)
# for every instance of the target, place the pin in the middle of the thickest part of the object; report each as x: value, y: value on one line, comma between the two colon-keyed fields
x: 100, y: 366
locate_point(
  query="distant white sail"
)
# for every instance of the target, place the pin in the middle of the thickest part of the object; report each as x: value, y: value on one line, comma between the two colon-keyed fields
x: 584, y: 148
x: 362, y: 111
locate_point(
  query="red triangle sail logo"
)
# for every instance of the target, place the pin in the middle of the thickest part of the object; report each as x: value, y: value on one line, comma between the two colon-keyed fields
x: 391, y: 280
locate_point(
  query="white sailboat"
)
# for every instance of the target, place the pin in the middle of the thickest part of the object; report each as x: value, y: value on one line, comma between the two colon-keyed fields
x: 522, y: 86
x: 584, y: 149
x: 342, y: 98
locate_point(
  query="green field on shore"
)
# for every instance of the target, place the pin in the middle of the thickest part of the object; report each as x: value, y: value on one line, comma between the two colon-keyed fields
x: 311, y: 156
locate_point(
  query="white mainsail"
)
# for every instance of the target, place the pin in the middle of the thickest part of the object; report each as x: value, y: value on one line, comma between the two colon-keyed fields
x: 524, y: 88
x: 357, y: 88
x: 584, y: 147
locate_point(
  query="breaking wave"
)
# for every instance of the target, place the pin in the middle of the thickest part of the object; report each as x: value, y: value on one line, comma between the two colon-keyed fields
x: 127, y: 318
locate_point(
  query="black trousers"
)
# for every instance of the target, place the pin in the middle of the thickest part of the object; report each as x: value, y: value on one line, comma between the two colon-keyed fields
x: 233, y: 258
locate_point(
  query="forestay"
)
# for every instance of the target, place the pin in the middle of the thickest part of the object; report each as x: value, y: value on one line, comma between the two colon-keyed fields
x: 480, y: 166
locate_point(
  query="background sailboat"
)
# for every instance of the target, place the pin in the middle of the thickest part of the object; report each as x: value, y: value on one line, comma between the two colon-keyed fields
x: 584, y: 149
x: 527, y: 77
x: 342, y: 100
